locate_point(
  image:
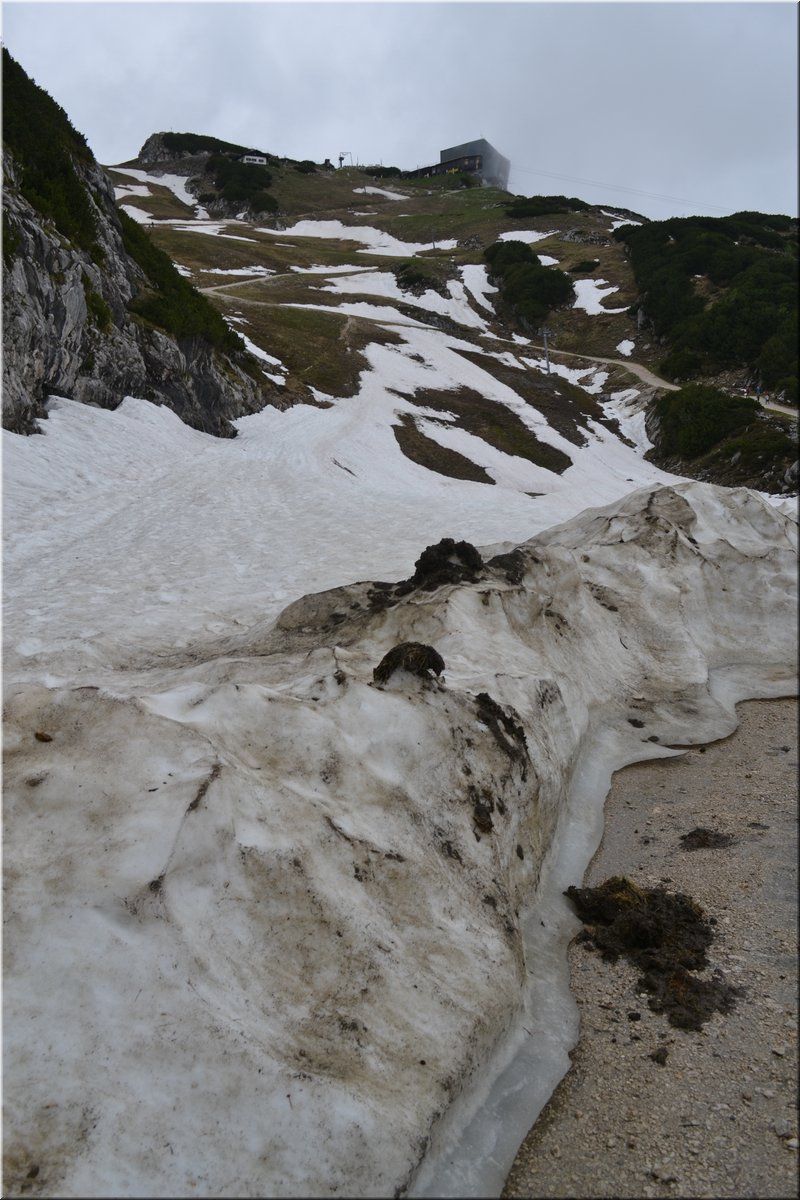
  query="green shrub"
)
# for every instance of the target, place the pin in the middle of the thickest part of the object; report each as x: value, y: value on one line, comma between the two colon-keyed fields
x: 306, y: 167
x: 680, y: 365
x: 502, y: 255
x: 541, y: 206
x: 531, y: 289
x: 697, y: 417
x: 584, y: 267
x: 787, y: 388
x: 762, y: 441
x: 198, y: 143
x: 749, y: 320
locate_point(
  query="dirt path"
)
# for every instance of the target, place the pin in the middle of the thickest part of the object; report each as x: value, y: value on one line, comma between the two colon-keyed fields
x: 636, y: 369
x: 718, y: 1118
x: 641, y: 372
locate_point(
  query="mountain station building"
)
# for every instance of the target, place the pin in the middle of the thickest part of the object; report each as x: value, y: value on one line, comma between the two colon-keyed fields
x: 475, y: 158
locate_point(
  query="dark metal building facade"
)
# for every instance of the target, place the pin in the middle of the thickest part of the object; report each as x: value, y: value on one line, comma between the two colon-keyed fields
x: 476, y: 158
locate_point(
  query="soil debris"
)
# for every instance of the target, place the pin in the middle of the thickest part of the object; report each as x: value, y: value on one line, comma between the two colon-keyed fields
x: 415, y: 657
x: 705, y: 839
x: 446, y: 562
x: 665, y: 935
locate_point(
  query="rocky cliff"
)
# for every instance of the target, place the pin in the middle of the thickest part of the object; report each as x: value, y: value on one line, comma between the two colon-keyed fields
x: 69, y: 322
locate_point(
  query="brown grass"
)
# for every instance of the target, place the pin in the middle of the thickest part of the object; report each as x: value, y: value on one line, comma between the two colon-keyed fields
x: 429, y: 454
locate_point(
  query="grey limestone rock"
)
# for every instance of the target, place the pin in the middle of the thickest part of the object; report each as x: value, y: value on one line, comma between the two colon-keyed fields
x: 68, y: 331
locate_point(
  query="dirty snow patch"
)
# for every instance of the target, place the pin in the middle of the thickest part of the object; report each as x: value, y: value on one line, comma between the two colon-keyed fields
x: 525, y: 235
x: 257, y: 270
x: 374, y: 240
x: 476, y: 281
x: 373, y: 191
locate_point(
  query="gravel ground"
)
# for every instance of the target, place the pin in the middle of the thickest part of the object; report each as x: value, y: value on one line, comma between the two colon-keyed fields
x: 719, y: 1117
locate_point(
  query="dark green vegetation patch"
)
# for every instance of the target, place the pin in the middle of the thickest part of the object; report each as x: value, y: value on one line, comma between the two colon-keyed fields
x: 722, y: 291
x: 542, y: 206
x: 200, y: 143
x: 696, y: 417
x: 39, y: 135
x: 531, y: 290
x: 666, y: 936
x: 240, y: 183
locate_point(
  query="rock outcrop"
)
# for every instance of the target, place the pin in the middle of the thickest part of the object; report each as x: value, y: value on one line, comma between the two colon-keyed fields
x: 69, y: 328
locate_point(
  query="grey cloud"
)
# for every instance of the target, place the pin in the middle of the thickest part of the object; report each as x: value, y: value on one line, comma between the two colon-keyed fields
x: 694, y: 101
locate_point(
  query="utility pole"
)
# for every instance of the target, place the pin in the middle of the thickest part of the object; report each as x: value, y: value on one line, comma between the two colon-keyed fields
x: 545, y: 333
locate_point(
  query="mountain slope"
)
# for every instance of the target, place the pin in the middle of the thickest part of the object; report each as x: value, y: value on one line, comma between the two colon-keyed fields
x: 440, y: 243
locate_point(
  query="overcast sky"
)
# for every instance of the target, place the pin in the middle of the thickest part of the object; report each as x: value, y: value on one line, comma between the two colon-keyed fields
x: 665, y: 108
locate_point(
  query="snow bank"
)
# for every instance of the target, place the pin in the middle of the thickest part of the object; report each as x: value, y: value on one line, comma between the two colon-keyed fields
x: 618, y: 219
x: 244, y: 271
x: 249, y: 949
x: 175, y: 183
